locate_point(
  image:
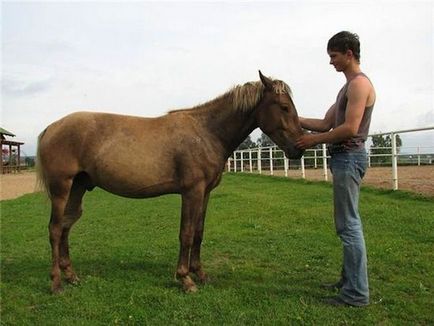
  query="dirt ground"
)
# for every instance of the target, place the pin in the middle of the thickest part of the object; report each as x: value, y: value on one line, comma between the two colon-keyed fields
x: 419, y: 179
x: 14, y: 185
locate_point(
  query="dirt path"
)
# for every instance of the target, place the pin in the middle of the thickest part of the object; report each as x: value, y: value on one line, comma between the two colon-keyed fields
x: 419, y: 179
x: 14, y: 185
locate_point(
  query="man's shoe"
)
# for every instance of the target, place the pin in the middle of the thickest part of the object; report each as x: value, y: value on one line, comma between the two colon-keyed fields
x: 332, y: 286
x: 338, y: 302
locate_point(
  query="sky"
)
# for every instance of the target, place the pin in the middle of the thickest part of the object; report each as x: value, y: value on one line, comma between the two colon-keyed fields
x: 146, y: 58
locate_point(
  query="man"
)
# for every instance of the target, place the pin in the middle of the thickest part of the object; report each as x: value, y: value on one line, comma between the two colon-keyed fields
x: 345, y: 128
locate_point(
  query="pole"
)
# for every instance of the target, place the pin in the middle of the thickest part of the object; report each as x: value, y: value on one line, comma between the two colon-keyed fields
x: 394, y: 162
x: 285, y: 163
x: 369, y: 158
x: 259, y: 160
x: 303, y: 171
x: 250, y: 160
x: 314, y: 155
x: 324, y: 161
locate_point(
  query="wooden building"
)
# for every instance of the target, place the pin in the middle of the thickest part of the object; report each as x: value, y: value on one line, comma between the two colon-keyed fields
x: 11, y: 153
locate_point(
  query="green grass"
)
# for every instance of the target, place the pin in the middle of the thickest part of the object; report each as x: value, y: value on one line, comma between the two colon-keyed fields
x: 269, y: 243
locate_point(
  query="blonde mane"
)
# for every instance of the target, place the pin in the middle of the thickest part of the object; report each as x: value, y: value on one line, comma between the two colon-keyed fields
x: 244, y: 97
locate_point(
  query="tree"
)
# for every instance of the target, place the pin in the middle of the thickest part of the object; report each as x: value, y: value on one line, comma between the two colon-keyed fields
x: 265, y: 141
x: 383, y: 145
x: 30, y: 161
x: 247, y: 143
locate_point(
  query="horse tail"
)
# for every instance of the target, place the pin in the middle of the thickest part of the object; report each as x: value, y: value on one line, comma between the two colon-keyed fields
x: 41, y: 178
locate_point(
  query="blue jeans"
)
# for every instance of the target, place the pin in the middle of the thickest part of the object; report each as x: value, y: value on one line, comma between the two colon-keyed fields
x: 348, y: 169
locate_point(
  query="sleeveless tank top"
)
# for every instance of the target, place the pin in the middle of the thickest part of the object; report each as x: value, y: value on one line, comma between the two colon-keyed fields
x: 341, y: 106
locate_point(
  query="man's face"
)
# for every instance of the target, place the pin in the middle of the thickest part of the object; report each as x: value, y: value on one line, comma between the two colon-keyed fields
x: 339, y: 60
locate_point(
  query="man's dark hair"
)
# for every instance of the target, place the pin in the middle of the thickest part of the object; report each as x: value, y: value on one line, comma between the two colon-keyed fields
x: 344, y: 41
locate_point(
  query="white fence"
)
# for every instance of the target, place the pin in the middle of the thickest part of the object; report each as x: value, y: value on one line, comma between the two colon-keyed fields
x: 272, y: 158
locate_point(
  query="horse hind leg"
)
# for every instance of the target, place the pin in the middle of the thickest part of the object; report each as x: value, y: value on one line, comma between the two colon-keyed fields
x: 73, y: 211
x: 59, y: 195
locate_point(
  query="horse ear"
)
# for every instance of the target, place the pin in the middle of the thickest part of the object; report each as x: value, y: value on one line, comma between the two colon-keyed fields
x: 267, y: 82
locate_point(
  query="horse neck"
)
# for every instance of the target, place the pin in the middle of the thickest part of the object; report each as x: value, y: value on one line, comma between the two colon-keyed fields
x: 229, y: 125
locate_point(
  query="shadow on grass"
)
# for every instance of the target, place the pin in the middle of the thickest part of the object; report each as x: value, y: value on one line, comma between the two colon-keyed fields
x: 156, y: 273
x: 34, y: 276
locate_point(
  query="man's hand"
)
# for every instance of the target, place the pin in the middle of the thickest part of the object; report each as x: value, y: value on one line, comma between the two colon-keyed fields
x: 307, y: 141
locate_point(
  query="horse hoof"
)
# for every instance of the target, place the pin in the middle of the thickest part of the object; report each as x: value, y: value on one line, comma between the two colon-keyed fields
x: 73, y: 280
x: 191, y: 289
x: 188, y: 285
x: 56, y: 290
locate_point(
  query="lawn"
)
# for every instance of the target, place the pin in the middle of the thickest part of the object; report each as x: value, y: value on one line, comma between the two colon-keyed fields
x: 269, y: 244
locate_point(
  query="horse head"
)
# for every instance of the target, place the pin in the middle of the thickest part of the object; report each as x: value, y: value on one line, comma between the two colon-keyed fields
x: 277, y: 116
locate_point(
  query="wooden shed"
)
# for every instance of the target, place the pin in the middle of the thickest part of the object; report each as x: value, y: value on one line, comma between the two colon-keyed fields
x: 11, y: 153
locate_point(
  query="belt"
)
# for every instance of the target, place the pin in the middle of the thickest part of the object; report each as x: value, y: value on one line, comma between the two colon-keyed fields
x: 345, y: 147
x: 334, y: 149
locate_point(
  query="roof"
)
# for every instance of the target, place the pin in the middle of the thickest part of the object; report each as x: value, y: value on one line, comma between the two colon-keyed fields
x: 5, y: 132
x: 9, y: 142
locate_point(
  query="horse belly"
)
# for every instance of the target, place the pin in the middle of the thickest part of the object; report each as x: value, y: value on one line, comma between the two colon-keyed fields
x: 135, y: 181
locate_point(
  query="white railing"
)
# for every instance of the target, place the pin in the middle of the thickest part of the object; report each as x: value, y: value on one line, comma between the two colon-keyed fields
x: 272, y: 158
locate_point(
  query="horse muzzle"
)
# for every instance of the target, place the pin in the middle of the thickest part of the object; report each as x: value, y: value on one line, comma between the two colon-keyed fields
x: 293, y: 152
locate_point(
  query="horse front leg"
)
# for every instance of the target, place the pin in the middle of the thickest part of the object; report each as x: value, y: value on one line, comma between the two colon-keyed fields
x: 195, y: 264
x: 192, y: 207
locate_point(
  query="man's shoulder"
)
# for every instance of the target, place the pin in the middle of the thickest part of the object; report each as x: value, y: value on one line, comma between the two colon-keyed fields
x: 361, y: 79
x: 360, y: 82
x: 361, y: 88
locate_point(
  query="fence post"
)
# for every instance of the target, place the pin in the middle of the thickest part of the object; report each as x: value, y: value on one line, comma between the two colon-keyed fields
x: 394, y: 162
x: 242, y: 161
x: 235, y: 161
x: 271, y: 161
x: 229, y: 164
x: 369, y: 158
x: 259, y: 160
x: 418, y: 155
x: 324, y: 161
x: 303, y: 171
x: 285, y: 164
x: 314, y: 155
x: 250, y: 160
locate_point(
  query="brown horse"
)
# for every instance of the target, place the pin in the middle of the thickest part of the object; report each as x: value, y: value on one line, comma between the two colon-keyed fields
x: 183, y: 152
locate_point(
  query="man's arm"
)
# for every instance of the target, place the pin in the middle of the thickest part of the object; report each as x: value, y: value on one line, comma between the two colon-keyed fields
x: 320, y: 125
x: 358, y: 93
